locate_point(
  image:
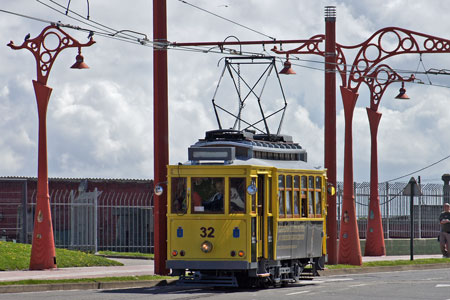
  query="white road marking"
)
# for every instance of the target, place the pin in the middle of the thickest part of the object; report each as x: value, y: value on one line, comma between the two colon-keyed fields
x: 310, y: 281
x: 296, y: 293
x: 356, y: 285
x: 442, y: 285
x: 338, y: 279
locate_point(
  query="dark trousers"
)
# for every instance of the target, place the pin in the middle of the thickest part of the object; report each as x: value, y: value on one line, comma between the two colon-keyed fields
x: 444, y: 241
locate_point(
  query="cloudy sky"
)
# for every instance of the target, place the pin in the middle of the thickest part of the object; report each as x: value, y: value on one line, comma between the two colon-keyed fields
x: 100, y: 121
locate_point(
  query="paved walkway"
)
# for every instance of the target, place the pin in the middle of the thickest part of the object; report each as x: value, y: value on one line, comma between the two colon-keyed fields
x: 132, y: 267
x: 399, y: 257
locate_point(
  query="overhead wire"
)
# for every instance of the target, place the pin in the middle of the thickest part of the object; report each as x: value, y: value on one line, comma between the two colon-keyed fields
x: 122, y: 35
x: 106, y: 31
x: 421, y: 169
x: 26, y: 17
x: 226, y: 19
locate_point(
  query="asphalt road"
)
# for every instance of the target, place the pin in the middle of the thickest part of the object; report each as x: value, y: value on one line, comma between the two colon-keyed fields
x: 422, y: 284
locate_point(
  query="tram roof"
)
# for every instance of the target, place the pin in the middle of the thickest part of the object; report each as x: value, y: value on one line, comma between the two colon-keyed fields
x: 279, y: 164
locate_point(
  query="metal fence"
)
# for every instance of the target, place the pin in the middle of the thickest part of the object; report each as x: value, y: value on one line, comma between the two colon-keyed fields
x: 87, y: 221
x: 123, y: 221
x: 395, y: 209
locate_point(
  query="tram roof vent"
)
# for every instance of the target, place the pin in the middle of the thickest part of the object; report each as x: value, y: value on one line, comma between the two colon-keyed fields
x: 229, y: 135
x: 273, y: 138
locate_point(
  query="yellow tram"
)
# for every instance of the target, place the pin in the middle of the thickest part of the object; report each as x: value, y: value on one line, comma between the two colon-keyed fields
x: 245, y: 210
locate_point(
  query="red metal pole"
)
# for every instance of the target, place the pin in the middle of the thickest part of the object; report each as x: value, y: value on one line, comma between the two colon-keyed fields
x: 330, y: 128
x: 374, y: 238
x: 349, y: 247
x: 161, y: 131
x: 43, y: 247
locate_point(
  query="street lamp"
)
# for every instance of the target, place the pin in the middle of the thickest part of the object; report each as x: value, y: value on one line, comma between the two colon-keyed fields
x: 43, y: 246
x: 377, y: 81
x: 364, y: 63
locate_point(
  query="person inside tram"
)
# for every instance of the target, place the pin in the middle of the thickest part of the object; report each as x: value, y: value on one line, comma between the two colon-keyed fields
x: 215, y: 202
x: 237, y: 195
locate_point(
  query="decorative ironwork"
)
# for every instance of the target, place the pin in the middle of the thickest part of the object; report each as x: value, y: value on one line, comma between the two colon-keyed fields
x: 47, y: 46
x: 379, y: 80
x: 389, y: 42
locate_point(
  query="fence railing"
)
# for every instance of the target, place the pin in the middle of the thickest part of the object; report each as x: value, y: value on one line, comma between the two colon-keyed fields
x: 123, y: 221
x: 395, y: 209
x: 87, y: 221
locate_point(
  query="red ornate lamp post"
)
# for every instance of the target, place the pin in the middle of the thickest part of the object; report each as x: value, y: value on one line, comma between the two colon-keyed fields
x: 377, y: 82
x: 364, y: 69
x: 383, y: 44
x: 45, y: 48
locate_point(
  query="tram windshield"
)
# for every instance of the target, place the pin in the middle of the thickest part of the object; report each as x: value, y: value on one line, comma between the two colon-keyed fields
x: 179, y: 195
x: 208, y: 194
x: 237, y: 195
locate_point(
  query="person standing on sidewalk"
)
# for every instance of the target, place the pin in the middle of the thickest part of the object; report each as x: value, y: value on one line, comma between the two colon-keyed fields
x: 444, y: 235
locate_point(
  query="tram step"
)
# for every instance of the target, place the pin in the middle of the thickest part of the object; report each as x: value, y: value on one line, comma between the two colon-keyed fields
x: 207, y: 281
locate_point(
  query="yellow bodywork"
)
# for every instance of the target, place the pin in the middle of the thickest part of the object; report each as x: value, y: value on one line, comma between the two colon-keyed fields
x: 232, y: 234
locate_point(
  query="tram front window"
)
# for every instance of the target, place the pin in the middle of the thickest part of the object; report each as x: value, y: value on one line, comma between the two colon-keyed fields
x: 179, y: 195
x: 207, y: 194
x: 237, y: 195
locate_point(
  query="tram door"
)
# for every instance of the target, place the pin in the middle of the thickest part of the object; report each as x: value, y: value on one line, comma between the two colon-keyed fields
x: 261, y: 208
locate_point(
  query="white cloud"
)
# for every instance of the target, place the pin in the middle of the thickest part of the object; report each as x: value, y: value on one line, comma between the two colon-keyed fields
x: 100, y: 121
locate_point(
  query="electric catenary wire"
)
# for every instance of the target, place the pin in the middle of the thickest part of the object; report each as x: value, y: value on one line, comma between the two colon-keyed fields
x: 424, y: 168
x: 228, y: 20
x: 125, y: 36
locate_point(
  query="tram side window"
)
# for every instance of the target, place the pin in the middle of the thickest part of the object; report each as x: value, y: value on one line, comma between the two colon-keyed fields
x: 207, y: 194
x: 178, y: 192
x: 318, y: 195
x: 254, y: 197
x: 281, y: 196
x: 237, y: 195
x: 297, y: 196
x: 289, y: 195
x: 311, y: 195
x: 304, y: 188
x: 269, y: 192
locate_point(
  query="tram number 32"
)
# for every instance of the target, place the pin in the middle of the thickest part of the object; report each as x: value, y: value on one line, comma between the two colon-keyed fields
x: 207, y: 232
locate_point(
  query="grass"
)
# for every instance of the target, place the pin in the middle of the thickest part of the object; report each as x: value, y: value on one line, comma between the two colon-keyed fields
x: 87, y: 280
x: 126, y: 254
x: 384, y: 263
x: 16, y: 256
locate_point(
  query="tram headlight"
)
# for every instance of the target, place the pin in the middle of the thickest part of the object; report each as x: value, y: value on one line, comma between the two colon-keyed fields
x: 241, y: 253
x: 206, y: 246
x: 174, y: 252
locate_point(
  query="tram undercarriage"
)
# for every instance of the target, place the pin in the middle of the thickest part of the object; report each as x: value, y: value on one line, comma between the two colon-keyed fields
x: 268, y: 273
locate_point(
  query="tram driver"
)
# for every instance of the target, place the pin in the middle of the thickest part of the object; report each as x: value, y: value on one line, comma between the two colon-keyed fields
x: 215, y: 202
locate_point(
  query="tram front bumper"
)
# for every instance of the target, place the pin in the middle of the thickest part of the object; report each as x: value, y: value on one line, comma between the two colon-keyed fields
x: 210, y: 265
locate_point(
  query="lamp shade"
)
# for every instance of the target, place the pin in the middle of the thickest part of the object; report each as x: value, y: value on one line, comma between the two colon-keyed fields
x: 79, y: 63
x: 287, y: 69
x: 402, y: 93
